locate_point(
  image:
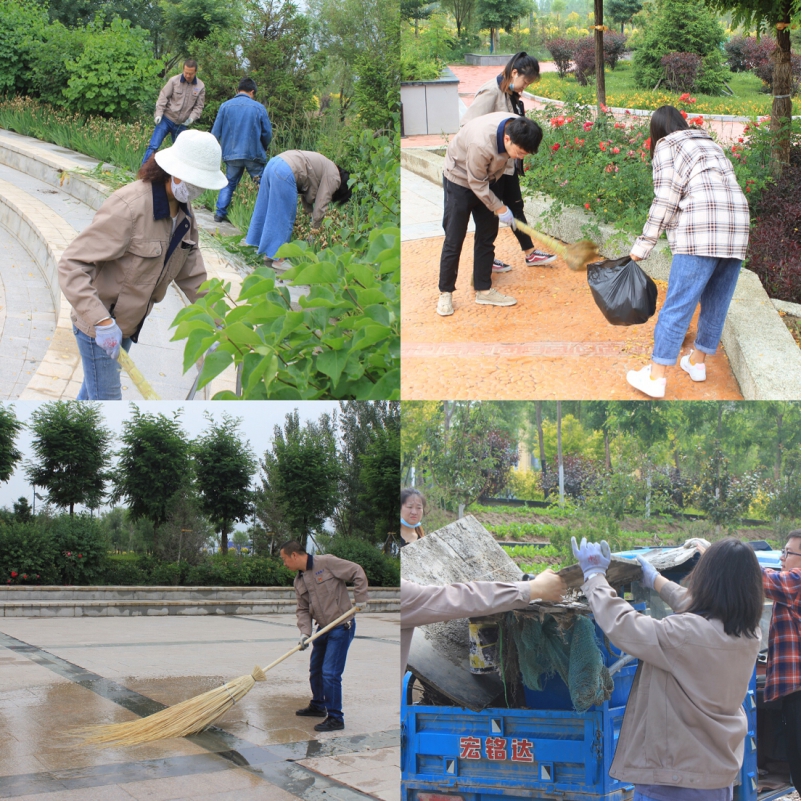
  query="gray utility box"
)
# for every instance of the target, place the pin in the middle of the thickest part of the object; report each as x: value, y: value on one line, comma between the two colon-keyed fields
x: 430, y: 107
x: 494, y: 60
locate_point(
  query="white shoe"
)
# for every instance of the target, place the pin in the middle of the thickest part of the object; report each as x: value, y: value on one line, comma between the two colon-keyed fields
x: 697, y: 372
x: 492, y: 297
x: 643, y: 381
x: 444, y: 306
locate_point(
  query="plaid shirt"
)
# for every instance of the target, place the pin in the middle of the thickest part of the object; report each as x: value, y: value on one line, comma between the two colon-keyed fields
x: 782, y: 670
x: 697, y: 200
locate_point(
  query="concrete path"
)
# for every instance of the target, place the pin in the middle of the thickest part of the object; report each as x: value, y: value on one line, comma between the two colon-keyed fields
x: 554, y: 343
x: 59, y: 674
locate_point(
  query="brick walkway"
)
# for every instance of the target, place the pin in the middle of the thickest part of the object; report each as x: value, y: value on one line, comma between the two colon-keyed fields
x: 553, y: 344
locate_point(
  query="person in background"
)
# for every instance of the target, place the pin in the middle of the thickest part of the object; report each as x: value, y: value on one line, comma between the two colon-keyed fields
x: 142, y: 238
x: 242, y: 127
x: 682, y: 738
x: 318, y: 181
x: 180, y: 104
x: 503, y: 93
x: 700, y: 206
x: 413, y: 506
x: 475, y: 161
x: 322, y: 596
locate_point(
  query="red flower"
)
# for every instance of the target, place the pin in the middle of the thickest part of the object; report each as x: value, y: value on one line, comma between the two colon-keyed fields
x: 611, y: 168
x: 698, y: 120
x: 13, y: 574
x: 684, y: 97
x: 630, y: 153
x: 603, y: 108
x: 746, y: 129
x: 740, y: 138
x: 568, y: 119
x: 627, y: 111
x: 555, y: 147
x: 80, y: 556
x: 602, y: 146
x: 587, y: 205
x: 648, y: 143
x: 527, y: 168
x: 684, y: 114
x: 748, y: 188
x: 25, y: 576
x: 692, y: 100
x: 587, y: 125
x: 616, y: 150
x: 556, y: 122
x: 579, y: 142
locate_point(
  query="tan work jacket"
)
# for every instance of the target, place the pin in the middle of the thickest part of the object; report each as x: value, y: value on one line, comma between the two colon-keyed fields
x: 116, y: 266
x: 684, y: 724
x: 489, y: 99
x: 179, y: 100
x: 475, y: 160
x: 321, y: 592
x: 316, y: 178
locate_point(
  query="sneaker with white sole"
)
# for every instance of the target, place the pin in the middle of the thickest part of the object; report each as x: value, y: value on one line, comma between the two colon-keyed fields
x: 643, y: 381
x: 539, y: 258
x: 492, y: 297
x: 500, y: 267
x: 444, y: 306
x: 697, y: 372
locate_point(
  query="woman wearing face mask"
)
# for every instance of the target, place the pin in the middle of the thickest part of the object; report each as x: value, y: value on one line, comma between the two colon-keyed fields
x: 413, y: 505
x: 503, y: 93
x: 142, y: 238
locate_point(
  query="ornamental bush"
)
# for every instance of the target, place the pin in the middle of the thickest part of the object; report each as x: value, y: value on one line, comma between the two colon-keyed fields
x: 49, y: 75
x: 21, y: 26
x: 27, y: 554
x: 585, y: 60
x: 764, y: 69
x: 562, y: 51
x: 382, y: 570
x: 744, y: 53
x: 680, y: 71
x: 615, y: 45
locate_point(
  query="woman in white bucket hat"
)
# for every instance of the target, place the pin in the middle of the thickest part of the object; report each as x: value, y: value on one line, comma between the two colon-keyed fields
x: 142, y: 238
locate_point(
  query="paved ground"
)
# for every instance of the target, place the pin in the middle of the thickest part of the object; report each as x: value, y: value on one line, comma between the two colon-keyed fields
x: 58, y: 674
x: 553, y: 344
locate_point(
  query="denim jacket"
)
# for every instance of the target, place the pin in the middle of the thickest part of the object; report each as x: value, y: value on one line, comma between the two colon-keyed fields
x: 243, y: 129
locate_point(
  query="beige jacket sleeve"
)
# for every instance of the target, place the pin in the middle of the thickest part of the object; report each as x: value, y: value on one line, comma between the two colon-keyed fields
x: 676, y: 596
x: 350, y: 572
x: 329, y: 184
x: 200, y: 102
x: 164, y: 98
x: 105, y: 239
x: 487, y: 100
x: 193, y: 273
x: 303, y: 615
x: 477, y: 166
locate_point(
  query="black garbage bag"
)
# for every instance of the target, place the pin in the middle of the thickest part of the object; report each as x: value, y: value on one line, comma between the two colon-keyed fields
x: 623, y: 292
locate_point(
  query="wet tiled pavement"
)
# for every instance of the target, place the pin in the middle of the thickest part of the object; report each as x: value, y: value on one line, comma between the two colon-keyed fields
x: 60, y: 674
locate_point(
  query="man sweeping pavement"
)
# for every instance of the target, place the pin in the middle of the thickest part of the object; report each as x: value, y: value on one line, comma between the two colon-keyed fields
x: 180, y: 104
x: 322, y: 596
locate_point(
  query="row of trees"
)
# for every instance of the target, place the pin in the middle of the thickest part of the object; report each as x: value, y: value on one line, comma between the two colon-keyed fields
x: 178, y: 491
x: 618, y: 457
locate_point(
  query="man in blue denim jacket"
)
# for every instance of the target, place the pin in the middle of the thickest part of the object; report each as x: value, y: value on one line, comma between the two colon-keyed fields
x: 243, y: 129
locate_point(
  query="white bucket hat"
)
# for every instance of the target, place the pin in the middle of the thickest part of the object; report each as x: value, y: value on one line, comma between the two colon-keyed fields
x: 195, y: 158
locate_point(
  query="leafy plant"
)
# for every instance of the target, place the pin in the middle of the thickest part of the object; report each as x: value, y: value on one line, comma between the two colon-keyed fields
x: 381, y: 570
x: 680, y: 71
x: 562, y: 52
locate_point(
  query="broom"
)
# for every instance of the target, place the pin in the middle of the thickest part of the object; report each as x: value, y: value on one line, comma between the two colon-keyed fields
x: 194, y: 714
x: 576, y: 256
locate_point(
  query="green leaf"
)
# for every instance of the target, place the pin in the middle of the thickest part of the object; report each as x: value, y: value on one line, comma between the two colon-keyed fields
x: 388, y: 387
x: 332, y: 362
x: 370, y: 335
x: 368, y: 297
x: 197, y: 343
x: 213, y: 365
x: 265, y: 312
x: 379, y: 314
x: 188, y: 326
x: 258, y: 287
x: 240, y: 334
x: 316, y: 274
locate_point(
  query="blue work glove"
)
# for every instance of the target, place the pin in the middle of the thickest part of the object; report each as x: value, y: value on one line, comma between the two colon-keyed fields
x: 303, y: 643
x: 507, y: 218
x: 109, y: 337
x: 593, y: 557
x: 649, y: 573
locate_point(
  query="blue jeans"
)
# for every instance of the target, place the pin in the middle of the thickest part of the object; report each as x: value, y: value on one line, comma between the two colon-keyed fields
x: 234, y: 171
x: 708, y: 280
x: 101, y: 372
x: 326, y: 667
x: 274, y: 213
x: 159, y: 133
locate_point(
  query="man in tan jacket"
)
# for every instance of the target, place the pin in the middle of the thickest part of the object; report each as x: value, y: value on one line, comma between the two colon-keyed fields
x: 180, y: 104
x: 475, y: 160
x: 323, y: 597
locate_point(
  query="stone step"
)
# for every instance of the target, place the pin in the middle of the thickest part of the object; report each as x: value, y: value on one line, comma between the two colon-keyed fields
x: 24, y: 593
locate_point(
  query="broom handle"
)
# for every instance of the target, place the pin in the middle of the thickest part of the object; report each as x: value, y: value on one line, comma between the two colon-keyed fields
x: 340, y: 619
x: 559, y: 247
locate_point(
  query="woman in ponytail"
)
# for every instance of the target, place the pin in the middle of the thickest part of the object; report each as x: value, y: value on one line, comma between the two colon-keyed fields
x: 503, y: 93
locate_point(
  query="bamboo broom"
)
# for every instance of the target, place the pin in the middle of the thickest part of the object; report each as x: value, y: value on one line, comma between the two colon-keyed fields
x: 576, y: 255
x: 194, y: 714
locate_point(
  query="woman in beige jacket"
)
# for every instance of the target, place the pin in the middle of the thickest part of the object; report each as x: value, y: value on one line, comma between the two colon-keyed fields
x: 503, y: 93
x: 682, y: 738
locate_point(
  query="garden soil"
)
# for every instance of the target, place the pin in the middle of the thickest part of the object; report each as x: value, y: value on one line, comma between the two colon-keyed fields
x: 554, y: 344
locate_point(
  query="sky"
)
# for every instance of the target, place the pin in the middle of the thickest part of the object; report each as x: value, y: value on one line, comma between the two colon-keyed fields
x: 258, y: 421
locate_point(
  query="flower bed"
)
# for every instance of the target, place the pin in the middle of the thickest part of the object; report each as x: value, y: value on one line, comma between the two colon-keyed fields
x: 603, y: 165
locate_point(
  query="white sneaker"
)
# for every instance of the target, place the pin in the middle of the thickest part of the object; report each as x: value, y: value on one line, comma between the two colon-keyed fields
x: 444, y: 306
x: 492, y: 297
x: 642, y: 380
x: 697, y: 372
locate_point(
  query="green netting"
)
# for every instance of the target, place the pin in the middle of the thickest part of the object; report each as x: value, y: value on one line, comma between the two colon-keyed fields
x: 543, y: 649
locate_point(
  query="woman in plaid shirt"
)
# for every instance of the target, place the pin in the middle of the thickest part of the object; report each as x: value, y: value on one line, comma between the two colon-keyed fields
x: 698, y: 203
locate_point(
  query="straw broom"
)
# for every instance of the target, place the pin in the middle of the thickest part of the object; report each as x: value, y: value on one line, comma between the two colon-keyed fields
x: 190, y: 716
x: 576, y: 255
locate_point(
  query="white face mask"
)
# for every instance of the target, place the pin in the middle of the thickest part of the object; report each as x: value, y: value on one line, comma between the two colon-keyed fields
x: 184, y: 192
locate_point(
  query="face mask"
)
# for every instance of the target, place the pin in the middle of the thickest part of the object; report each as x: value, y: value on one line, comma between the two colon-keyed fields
x: 409, y: 525
x: 184, y: 192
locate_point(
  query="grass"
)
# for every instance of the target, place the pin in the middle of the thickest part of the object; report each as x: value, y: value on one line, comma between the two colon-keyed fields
x: 622, y: 92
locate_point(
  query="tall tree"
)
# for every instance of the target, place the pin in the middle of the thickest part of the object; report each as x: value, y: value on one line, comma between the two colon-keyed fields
x: 462, y: 11
x: 301, y: 473
x: 379, y: 476
x: 622, y: 11
x: 71, y: 446
x: 598, y: 43
x: 153, y: 464
x: 498, y: 14
x: 224, y: 466
x: 9, y: 453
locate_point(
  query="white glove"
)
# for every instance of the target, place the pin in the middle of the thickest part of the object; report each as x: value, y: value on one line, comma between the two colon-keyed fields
x: 188, y: 121
x: 303, y: 643
x: 157, y: 119
x: 507, y: 218
x: 593, y: 557
x: 109, y: 337
x: 649, y: 573
x: 697, y: 542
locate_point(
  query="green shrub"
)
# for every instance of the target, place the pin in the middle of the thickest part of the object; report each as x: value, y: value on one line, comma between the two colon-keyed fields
x: 21, y: 25
x: 27, y: 554
x: 124, y: 573
x: 381, y: 570
x: 49, y: 74
x: 115, y: 73
x: 80, y: 548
